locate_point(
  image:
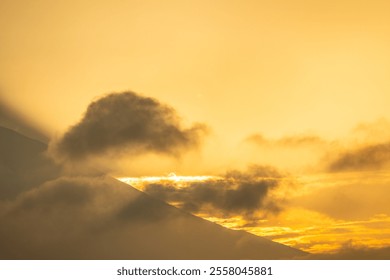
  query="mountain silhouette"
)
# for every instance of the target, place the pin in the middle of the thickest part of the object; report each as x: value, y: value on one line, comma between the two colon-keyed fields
x: 46, y: 213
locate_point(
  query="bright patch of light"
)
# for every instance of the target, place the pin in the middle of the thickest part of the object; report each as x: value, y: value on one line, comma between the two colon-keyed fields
x: 171, y: 177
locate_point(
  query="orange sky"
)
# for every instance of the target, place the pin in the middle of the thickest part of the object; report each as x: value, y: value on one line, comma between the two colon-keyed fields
x: 279, y: 67
x: 292, y: 84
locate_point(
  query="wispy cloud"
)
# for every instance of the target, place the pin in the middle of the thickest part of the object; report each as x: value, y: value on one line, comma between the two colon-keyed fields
x: 290, y: 141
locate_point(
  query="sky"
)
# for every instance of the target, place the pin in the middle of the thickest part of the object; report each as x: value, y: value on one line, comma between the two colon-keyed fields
x: 300, y: 87
x: 277, y: 67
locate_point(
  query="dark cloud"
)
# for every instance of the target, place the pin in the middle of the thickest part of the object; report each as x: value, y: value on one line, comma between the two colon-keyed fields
x: 130, y: 122
x: 370, y: 157
x: 236, y: 193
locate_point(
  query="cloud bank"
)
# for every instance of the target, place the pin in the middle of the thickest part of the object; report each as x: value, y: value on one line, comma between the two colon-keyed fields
x: 127, y: 122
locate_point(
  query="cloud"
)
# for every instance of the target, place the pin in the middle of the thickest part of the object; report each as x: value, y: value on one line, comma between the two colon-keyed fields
x: 235, y: 193
x: 349, y: 251
x: 127, y: 122
x: 370, y: 157
x: 258, y: 139
x: 372, y: 132
x: 366, y: 147
x: 351, y: 196
x: 284, y: 151
x: 291, y: 141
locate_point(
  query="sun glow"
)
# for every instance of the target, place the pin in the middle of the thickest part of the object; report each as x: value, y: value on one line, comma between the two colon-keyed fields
x: 305, y: 229
x: 139, y: 182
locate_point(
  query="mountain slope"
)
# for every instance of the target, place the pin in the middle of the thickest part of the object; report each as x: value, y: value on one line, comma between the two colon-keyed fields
x: 85, y: 217
x: 22, y: 163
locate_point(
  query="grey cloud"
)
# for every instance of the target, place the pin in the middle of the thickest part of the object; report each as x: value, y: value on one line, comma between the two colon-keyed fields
x: 130, y: 122
x: 236, y: 193
x: 367, y: 158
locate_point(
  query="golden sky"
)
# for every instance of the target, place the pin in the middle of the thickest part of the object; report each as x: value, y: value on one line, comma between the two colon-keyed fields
x: 299, y: 85
x: 275, y: 67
